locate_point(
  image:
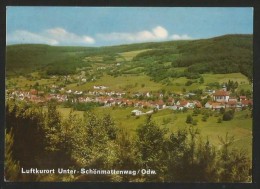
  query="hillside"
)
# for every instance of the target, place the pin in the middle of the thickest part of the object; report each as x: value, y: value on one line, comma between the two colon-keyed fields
x: 224, y: 54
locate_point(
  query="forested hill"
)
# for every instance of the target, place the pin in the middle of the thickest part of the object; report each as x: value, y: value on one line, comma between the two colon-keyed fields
x: 224, y: 54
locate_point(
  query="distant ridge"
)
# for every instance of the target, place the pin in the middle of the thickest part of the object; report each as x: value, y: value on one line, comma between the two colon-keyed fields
x: 222, y: 54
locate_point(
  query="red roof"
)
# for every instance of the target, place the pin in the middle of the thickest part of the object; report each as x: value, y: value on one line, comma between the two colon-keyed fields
x: 215, y: 104
x: 247, y: 102
x: 221, y: 93
x: 183, y: 102
x: 33, y: 91
x: 198, y: 105
x: 231, y: 102
x: 160, y: 102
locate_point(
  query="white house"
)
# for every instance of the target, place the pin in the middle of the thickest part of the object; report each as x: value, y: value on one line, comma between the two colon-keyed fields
x: 137, y: 112
x: 221, y: 96
x: 208, y: 105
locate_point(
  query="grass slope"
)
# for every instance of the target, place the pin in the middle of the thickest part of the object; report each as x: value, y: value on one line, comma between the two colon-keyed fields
x: 240, y: 127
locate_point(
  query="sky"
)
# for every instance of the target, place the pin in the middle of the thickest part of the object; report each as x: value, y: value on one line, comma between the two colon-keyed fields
x: 105, y: 26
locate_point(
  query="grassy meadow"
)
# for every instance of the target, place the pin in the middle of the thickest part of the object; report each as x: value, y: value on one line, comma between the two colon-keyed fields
x: 240, y: 127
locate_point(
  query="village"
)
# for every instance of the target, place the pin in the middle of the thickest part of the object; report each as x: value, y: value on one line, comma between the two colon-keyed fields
x: 144, y: 103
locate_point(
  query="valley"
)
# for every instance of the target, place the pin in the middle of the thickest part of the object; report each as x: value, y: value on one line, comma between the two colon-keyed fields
x: 203, y: 84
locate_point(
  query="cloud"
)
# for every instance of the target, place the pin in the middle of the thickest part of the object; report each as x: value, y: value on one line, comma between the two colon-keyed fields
x: 156, y: 34
x: 54, y: 36
x: 23, y: 36
x: 180, y: 37
x: 64, y: 36
x: 60, y: 36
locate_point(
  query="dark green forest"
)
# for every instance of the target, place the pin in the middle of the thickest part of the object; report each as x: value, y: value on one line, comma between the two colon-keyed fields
x: 224, y: 54
x: 37, y: 137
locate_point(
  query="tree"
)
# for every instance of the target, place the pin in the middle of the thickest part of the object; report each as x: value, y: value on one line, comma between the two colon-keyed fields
x: 52, y: 126
x: 128, y: 156
x: 12, y: 167
x: 207, y: 162
x: 234, y: 164
x: 99, y: 144
x: 196, y: 112
x: 204, y: 118
x: 177, y: 146
x: 201, y: 80
x: 228, y: 115
x: 109, y: 126
x: 189, y: 119
x: 151, y: 145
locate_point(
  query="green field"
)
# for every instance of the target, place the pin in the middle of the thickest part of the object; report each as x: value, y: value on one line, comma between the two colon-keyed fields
x: 240, y: 127
x: 128, y: 56
x: 139, y: 83
x: 121, y: 83
x: 133, y: 83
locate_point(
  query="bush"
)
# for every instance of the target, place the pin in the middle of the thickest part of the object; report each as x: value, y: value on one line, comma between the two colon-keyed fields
x: 196, y: 112
x: 188, y: 83
x: 222, y: 110
x: 219, y: 120
x: 194, y: 122
x: 189, y: 119
x: 184, y: 109
x: 228, y: 115
x: 204, y: 118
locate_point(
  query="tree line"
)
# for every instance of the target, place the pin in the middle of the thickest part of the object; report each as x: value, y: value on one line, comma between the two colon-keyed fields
x: 42, y: 138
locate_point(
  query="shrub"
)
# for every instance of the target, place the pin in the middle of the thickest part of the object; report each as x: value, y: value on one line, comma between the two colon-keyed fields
x: 204, y: 118
x: 189, y: 119
x: 222, y: 110
x: 188, y: 83
x: 228, y: 115
x: 194, y: 122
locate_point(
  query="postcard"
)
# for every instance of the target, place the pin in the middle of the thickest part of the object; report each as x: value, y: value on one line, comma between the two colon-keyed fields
x: 129, y: 94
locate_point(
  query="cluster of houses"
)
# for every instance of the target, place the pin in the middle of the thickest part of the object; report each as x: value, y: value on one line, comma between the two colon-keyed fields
x: 220, y: 99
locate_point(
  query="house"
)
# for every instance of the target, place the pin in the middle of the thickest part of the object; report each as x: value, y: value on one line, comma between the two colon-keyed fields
x: 214, y: 105
x: 242, y: 98
x: 234, y: 99
x: 218, y: 105
x: 100, y: 87
x: 246, y: 103
x: 174, y: 107
x: 170, y: 101
x: 197, y: 104
x: 137, y: 112
x: 185, y: 104
x: 78, y: 92
x: 221, y: 96
x: 231, y: 104
x: 33, y: 92
x: 160, y: 104
x: 208, y: 105
x: 69, y: 91
x: 147, y: 94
